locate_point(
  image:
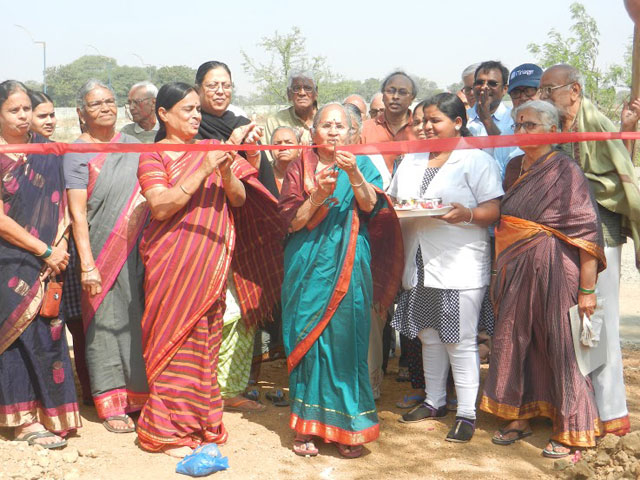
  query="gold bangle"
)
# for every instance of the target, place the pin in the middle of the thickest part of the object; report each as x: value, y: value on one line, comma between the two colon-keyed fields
x: 359, y: 184
x: 185, y: 191
x: 314, y: 203
x: 88, y: 271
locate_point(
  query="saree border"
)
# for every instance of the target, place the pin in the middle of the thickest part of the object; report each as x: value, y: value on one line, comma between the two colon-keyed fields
x: 331, y: 433
x: 340, y: 290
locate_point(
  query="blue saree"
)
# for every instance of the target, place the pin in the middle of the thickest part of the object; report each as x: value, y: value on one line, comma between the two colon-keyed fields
x: 36, y: 380
x: 327, y: 295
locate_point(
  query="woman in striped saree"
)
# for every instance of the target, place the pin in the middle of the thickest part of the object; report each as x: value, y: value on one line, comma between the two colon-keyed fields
x: 549, y: 248
x: 187, y: 251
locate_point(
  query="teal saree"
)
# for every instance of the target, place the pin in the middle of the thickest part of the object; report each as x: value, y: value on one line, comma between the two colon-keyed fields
x: 327, y: 296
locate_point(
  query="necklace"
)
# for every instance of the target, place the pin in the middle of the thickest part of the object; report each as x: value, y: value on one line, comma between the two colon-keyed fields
x: 16, y: 157
x: 522, y: 167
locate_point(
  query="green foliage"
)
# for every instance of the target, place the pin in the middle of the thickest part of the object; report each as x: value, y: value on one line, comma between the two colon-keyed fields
x: 64, y: 81
x: 287, y: 53
x: 580, y: 49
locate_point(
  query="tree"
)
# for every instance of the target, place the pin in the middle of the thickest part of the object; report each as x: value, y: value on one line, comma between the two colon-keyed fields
x: 580, y: 49
x: 64, y: 81
x: 287, y: 53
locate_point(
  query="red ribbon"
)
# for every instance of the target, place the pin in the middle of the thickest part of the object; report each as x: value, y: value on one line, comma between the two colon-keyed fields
x: 412, y: 146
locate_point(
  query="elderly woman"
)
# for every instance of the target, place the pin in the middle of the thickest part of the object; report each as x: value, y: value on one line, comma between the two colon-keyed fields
x: 108, y: 214
x: 43, y: 120
x: 196, y: 226
x: 37, y: 393
x: 213, y: 82
x: 549, y: 248
x: 447, y: 262
x: 283, y: 158
x: 329, y: 198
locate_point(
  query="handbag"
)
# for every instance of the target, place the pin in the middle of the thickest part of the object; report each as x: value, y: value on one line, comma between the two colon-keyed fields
x: 50, y: 306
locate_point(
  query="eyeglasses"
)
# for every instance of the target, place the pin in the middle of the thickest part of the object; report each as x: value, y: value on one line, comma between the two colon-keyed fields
x: 467, y: 90
x: 527, y: 126
x: 490, y: 83
x: 373, y: 112
x: 546, y: 91
x: 136, y: 103
x: 92, y: 106
x: 517, y: 92
x: 402, y: 92
x: 329, y: 125
x: 215, y: 86
x: 300, y: 88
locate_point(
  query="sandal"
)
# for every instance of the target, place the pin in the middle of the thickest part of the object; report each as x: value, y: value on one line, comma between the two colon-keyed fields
x: 243, y: 404
x: 499, y: 439
x: 403, y: 375
x: 462, y: 431
x: 423, y: 412
x: 303, y: 446
x: 122, y: 418
x: 349, y: 451
x: 31, y: 439
x: 252, y: 394
x: 277, y: 398
x: 410, y: 401
x: 553, y: 453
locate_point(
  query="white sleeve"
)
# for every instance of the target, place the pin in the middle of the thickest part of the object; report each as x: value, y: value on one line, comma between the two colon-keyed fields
x: 485, y: 178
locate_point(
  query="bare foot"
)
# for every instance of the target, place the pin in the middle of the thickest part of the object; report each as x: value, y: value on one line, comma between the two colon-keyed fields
x: 23, y: 430
x: 177, y: 452
x: 240, y: 403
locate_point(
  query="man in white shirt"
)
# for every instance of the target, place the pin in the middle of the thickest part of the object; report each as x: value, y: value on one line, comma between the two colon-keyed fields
x: 490, y: 116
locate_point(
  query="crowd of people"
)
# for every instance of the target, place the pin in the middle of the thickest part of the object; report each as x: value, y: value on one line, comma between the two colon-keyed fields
x: 178, y: 272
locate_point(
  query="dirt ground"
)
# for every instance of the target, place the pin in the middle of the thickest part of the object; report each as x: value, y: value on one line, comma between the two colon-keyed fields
x: 259, y: 446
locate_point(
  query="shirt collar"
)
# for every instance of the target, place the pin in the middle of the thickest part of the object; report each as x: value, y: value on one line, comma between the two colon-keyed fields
x: 138, y: 129
x: 499, y: 114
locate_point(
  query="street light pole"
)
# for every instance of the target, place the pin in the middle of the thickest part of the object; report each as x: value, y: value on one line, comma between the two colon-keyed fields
x: 107, y: 63
x: 44, y: 56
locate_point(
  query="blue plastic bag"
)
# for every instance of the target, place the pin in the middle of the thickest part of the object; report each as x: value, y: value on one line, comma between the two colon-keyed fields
x: 203, y: 461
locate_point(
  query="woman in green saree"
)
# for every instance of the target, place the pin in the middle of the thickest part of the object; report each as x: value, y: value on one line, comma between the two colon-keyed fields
x: 329, y: 199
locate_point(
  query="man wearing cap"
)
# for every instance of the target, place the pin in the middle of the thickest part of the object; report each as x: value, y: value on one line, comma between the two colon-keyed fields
x: 524, y: 81
x: 490, y: 116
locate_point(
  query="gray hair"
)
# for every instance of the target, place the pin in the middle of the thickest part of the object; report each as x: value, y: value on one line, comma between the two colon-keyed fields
x: 295, y: 131
x: 88, y: 87
x: 414, y: 87
x: 573, y: 74
x: 318, y: 115
x: 547, y: 113
x: 308, y: 74
x: 373, y: 97
x: 470, y: 70
x: 355, y: 117
x: 149, y: 87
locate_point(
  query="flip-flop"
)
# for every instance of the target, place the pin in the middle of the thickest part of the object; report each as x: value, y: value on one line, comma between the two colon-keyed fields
x: 553, y: 453
x: 123, y: 418
x: 244, y: 405
x: 499, y: 440
x: 277, y: 398
x: 309, y: 450
x: 252, y: 394
x: 349, y: 451
x: 410, y: 401
x: 31, y: 438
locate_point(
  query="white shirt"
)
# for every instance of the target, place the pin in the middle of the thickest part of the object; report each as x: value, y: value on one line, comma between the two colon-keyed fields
x: 502, y: 118
x: 379, y: 163
x: 455, y: 256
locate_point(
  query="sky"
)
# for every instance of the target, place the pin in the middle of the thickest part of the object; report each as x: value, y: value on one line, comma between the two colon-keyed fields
x: 432, y: 39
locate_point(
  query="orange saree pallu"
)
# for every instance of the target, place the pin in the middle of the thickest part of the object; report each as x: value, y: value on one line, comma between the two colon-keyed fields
x: 548, y: 215
x: 187, y: 259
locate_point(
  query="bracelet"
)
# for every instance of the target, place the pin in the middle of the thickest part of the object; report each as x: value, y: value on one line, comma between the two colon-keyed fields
x: 314, y: 203
x: 46, y: 254
x: 586, y: 291
x: 185, y: 191
x: 359, y: 184
x: 494, y: 272
x: 253, y: 154
x: 90, y: 270
x: 471, y: 219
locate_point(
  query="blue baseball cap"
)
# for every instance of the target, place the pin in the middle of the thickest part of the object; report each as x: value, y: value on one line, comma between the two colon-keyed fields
x: 525, y: 75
